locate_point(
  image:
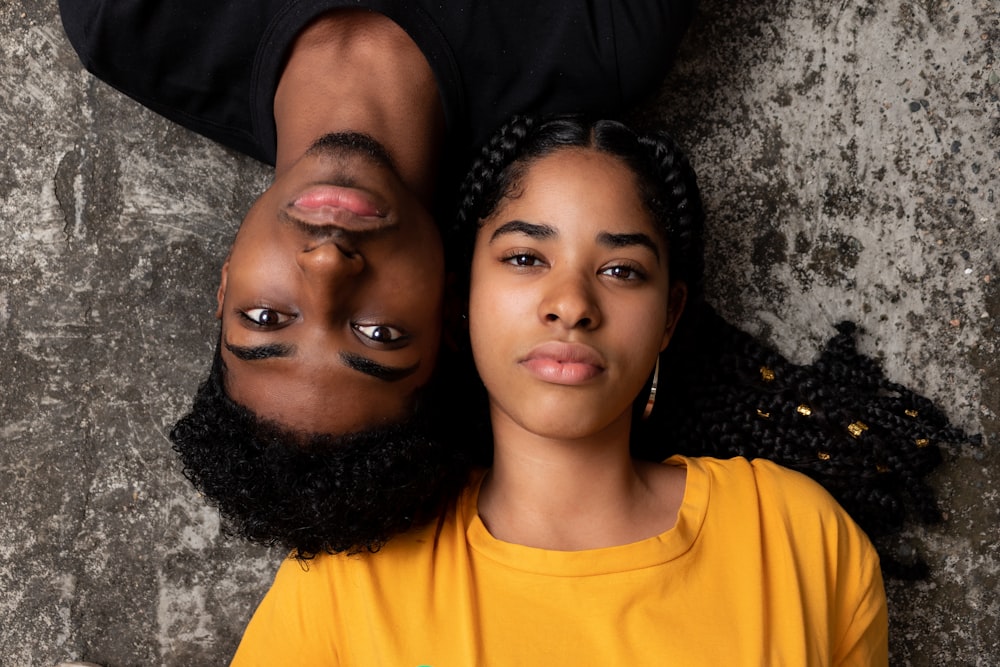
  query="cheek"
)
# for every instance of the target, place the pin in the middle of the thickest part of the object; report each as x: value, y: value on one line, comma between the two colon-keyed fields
x: 263, y: 273
x: 425, y: 265
x: 417, y: 289
x: 496, y: 315
x: 639, y: 332
x: 483, y: 314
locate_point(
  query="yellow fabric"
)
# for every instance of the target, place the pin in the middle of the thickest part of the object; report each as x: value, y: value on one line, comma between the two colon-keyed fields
x: 762, y: 568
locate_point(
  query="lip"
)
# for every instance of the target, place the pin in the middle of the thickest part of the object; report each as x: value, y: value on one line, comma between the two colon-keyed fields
x: 564, y: 363
x: 333, y: 205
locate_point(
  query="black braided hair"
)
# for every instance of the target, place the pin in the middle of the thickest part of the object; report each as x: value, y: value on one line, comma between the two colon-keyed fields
x: 657, y: 162
x: 870, y: 442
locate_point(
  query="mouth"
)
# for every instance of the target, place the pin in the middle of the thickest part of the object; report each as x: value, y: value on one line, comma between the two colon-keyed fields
x: 564, y: 363
x: 348, y: 208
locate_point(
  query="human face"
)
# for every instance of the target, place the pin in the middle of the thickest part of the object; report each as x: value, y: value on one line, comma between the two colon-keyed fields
x: 570, y: 299
x: 330, y: 300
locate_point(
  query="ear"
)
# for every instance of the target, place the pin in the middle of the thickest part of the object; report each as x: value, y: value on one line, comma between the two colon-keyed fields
x: 220, y: 295
x: 675, y: 306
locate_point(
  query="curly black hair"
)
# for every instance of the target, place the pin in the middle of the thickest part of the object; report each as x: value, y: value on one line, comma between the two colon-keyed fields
x: 869, y: 441
x: 316, y: 492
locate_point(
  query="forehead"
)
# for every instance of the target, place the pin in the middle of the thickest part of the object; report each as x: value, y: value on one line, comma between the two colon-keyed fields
x: 311, y: 396
x: 577, y: 182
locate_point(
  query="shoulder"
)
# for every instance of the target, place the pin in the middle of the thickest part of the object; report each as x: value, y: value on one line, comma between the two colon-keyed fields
x: 192, y: 62
x: 814, y: 558
x: 799, y: 502
x: 772, y: 484
x: 786, y: 505
x: 790, y: 488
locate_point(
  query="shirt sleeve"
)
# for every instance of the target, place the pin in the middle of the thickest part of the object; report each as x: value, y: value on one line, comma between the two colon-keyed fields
x: 844, y: 572
x: 292, y: 624
x: 866, y: 640
x: 188, y: 60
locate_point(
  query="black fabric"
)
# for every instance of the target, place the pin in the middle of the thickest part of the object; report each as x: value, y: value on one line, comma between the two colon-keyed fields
x: 213, y: 65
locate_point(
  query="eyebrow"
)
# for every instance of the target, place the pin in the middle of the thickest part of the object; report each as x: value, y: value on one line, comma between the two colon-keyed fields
x: 531, y: 229
x: 625, y: 240
x: 375, y: 369
x: 258, y: 352
x: 353, y: 361
x: 608, y: 239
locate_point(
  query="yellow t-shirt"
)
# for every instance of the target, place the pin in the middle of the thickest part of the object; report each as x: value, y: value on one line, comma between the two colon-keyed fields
x: 762, y: 568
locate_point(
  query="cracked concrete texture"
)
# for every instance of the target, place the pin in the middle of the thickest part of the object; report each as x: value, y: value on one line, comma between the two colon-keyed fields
x: 849, y: 155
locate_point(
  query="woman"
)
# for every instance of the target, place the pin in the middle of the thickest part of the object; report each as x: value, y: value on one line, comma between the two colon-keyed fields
x: 569, y: 549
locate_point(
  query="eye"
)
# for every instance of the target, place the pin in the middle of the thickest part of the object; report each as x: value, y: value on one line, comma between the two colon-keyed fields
x: 265, y: 317
x: 379, y: 333
x: 623, y: 272
x: 521, y: 258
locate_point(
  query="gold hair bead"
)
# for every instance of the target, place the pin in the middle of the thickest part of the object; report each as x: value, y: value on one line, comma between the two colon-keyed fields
x: 911, y: 413
x: 882, y: 468
x: 857, y: 428
x: 922, y: 442
x: 804, y: 410
x: 761, y: 413
x: 823, y: 456
x: 766, y: 374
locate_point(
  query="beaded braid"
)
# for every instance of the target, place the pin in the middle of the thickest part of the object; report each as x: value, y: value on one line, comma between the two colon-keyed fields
x: 870, y: 442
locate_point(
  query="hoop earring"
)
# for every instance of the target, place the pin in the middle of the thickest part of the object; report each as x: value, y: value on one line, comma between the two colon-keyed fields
x: 651, y: 401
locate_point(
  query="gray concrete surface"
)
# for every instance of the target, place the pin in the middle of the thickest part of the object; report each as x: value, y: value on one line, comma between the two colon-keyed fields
x: 850, y: 157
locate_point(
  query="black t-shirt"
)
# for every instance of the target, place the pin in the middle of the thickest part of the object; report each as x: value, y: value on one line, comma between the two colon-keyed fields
x: 214, y: 65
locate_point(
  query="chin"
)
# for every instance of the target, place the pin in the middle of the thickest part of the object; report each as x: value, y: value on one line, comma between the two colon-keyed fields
x: 570, y: 423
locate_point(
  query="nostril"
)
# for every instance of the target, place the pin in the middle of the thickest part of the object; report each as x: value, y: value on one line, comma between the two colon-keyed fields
x: 551, y: 317
x: 346, y: 251
x: 331, y: 259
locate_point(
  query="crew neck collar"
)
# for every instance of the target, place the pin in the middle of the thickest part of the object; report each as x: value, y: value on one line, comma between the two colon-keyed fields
x: 649, y: 552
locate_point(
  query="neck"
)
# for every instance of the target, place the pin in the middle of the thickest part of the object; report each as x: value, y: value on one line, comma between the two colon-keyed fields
x: 576, y: 494
x: 358, y: 71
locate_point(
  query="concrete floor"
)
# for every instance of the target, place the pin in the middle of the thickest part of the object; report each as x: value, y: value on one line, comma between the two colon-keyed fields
x: 849, y: 154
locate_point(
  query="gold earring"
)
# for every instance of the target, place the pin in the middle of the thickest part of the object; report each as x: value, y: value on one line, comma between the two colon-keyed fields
x: 652, y: 391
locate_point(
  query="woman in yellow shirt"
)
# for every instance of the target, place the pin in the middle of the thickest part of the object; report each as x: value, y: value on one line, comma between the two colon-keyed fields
x: 569, y: 549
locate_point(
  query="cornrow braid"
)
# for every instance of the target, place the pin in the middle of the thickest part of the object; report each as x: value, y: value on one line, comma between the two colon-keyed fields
x: 496, y: 155
x: 665, y: 178
x: 870, y: 442
x: 672, y: 193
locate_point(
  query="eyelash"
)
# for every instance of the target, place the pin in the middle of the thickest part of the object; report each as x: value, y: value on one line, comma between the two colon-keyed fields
x: 398, y: 335
x: 246, y: 315
x: 637, y: 274
x: 509, y: 257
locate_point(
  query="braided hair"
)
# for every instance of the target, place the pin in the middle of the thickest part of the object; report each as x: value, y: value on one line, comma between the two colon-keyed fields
x: 661, y: 168
x: 870, y: 442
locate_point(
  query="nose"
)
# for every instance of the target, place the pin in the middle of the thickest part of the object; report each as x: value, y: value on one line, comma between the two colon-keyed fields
x: 571, y: 303
x: 330, y: 263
